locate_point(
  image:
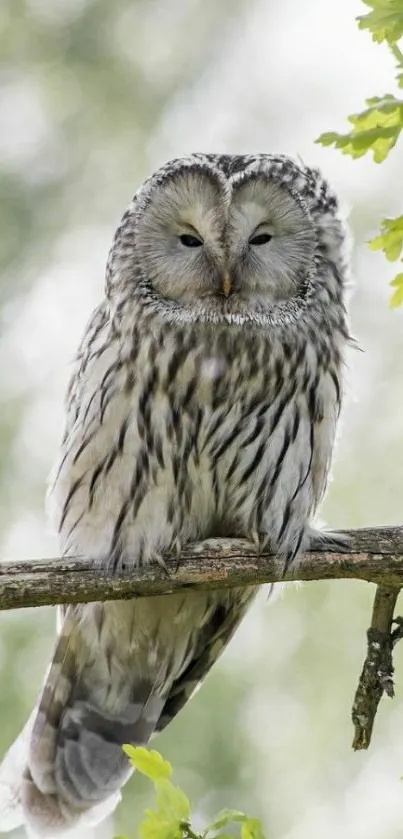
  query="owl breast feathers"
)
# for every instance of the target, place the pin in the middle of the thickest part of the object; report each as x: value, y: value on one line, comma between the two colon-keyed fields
x: 204, y: 402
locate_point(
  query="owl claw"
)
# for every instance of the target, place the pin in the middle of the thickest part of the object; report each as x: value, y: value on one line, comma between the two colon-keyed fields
x: 254, y: 537
x: 159, y: 560
x: 260, y: 540
x: 176, y: 549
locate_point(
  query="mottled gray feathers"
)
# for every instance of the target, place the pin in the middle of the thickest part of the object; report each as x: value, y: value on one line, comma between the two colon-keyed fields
x: 204, y: 402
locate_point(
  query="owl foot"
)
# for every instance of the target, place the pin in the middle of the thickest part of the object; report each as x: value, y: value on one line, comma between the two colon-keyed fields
x: 260, y: 540
x: 320, y: 541
x: 326, y: 540
x: 126, y: 568
x: 176, y: 549
x: 158, y: 559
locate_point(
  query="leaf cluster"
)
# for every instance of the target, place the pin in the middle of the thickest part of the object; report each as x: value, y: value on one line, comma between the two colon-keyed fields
x: 171, y: 817
x: 377, y: 128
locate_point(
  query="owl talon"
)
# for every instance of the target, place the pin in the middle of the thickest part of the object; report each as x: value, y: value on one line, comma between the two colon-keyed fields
x: 254, y: 537
x: 175, y: 552
x: 159, y: 560
x: 260, y: 540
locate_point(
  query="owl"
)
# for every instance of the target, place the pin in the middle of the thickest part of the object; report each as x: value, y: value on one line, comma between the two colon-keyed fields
x: 203, y: 403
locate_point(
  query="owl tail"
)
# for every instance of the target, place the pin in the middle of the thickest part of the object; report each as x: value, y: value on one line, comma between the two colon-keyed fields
x: 67, y: 767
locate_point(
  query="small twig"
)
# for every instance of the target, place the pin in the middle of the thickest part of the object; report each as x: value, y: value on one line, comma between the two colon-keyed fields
x: 188, y: 832
x: 377, y: 673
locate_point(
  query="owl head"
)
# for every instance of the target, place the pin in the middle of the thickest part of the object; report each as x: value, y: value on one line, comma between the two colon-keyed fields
x: 222, y: 236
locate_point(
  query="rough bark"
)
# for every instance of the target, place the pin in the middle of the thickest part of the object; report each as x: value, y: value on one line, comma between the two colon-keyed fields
x: 373, y: 554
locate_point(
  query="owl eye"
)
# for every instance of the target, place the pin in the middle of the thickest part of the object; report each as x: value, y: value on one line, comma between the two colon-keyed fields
x: 260, y: 239
x: 190, y: 241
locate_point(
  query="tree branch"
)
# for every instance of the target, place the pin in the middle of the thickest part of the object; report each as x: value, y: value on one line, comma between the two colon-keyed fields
x: 377, y: 672
x: 373, y: 554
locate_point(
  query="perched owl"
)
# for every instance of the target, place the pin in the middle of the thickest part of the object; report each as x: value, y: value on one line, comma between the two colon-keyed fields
x: 204, y: 402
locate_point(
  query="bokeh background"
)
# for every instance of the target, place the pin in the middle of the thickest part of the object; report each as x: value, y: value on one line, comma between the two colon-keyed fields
x: 93, y: 96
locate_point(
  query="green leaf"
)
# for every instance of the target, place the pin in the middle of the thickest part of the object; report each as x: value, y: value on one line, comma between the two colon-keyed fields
x: 158, y: 826
x: 224, y: 817
x: 171, y: 817
x: 385, y: 21
x: 390, y: 240
x: 397, y: 296
x: 172, y: 801
x: 375, y: 129
x: 172, y: 805
x: 148, y: 762
x: 252, y: 829
x: 173, y: 809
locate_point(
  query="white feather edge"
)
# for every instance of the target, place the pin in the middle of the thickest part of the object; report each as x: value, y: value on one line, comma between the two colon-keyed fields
x: 11, y: 772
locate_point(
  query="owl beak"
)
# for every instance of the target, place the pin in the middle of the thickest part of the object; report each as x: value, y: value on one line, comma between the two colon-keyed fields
x: 226, y: 284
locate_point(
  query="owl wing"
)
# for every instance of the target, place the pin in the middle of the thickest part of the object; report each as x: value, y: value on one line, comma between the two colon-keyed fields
x: 75, y: 764
x: 210, y: 643
x: 324, y: 410
x: 68, y: 764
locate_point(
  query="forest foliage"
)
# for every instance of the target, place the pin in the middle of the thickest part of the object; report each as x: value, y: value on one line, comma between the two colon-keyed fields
x: 377, y: 128
x: 171, y: 818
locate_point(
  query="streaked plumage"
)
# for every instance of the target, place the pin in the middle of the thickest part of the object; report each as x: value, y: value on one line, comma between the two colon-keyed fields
x: 204, y: 402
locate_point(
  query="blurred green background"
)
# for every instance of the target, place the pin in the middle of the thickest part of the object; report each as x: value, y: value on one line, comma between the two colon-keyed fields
x: 93, y: 96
